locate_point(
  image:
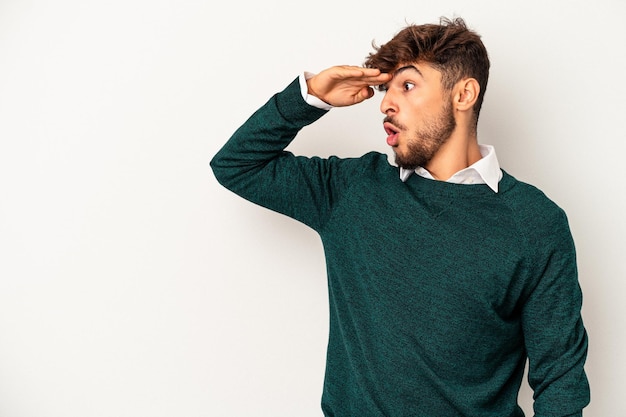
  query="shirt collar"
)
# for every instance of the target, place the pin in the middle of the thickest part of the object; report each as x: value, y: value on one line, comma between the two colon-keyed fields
x: 484, y: 171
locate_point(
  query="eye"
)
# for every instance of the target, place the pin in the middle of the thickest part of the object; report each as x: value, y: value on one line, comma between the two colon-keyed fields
x: 408, y: 86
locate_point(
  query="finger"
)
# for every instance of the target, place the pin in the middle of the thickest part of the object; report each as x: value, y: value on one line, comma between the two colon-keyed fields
x: 347, y: 71
x: 371, y: 72
x: 373, y: 77
x: 379, y: 79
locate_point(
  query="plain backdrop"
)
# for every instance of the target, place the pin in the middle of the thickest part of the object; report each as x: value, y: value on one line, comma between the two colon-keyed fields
x: 132, y: 284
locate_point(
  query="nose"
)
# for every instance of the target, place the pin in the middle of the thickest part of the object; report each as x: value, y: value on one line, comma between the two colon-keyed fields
x: 387, y: 105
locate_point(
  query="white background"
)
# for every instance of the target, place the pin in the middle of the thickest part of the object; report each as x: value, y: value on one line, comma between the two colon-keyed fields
x: 132, y: 284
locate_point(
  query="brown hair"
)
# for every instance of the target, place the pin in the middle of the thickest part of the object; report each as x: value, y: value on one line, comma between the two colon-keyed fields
x: 450, y: 47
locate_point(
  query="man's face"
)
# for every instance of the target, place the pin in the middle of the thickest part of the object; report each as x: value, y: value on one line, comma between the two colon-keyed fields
x: 419, y: 117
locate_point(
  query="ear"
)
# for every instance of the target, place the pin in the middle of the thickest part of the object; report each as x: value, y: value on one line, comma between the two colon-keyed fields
x: 466, y: 94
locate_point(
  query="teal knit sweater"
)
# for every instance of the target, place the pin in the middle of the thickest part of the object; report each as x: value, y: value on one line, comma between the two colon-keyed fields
x: 438, y: 292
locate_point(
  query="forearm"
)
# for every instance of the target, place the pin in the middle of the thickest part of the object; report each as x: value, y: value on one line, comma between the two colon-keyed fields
x: 263, y: 137
x: 254, y: 164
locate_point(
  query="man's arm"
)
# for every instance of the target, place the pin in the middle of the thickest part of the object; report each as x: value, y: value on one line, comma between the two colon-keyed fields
x: 556, y: 340
x: 254, y: 165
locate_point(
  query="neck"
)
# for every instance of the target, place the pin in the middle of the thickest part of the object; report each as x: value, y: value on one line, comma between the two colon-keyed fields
x: 458, y: 152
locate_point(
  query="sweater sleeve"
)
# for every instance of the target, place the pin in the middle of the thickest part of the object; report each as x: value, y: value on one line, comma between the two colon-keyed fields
x: 556, y: 340
x: 254, y: 164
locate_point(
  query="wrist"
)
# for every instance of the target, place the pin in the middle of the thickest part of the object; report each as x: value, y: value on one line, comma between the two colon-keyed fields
x: 310, y: 97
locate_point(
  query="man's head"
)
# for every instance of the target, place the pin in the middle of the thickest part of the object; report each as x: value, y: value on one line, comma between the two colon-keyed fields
x: 439, y: 79
x: 449, y: 47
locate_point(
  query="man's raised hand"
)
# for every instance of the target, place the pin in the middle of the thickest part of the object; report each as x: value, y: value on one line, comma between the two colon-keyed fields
x: 346, y: 85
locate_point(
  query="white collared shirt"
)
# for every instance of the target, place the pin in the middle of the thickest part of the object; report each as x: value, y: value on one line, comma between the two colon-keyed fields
x: 484, y: 171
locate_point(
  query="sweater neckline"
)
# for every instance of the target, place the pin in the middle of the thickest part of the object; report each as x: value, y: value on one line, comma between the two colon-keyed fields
x: 450, y: 190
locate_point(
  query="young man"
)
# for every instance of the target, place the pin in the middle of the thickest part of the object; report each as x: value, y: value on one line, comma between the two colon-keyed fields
x: 445, y: 273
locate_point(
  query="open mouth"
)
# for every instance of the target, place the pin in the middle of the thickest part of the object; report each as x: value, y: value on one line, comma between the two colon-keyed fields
x: 392, y: 134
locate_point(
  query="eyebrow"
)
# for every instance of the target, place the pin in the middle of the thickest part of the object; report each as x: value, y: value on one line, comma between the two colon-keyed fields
x: 401, y: 70
x: 408, y: 67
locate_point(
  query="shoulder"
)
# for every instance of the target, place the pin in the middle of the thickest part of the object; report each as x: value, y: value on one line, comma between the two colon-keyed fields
x: 370, y: 164
x: 527, y: 197
x: 536, y: 213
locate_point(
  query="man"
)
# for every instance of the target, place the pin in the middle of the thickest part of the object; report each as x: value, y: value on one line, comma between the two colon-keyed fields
x: 445, y: 273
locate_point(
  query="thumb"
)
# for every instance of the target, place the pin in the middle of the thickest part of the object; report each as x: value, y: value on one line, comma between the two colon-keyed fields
x: 364, y: 94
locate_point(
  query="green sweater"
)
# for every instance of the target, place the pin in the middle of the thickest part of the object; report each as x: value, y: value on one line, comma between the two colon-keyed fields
x: 438, y: 292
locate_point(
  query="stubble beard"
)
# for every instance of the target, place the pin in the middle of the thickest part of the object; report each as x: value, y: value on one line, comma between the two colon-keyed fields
x: 427, y: 140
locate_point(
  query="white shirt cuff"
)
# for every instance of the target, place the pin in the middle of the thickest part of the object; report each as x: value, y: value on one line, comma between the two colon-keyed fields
x: 311, y: 100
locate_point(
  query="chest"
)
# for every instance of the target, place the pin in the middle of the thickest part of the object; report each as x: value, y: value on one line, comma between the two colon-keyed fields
x: 407, y: 252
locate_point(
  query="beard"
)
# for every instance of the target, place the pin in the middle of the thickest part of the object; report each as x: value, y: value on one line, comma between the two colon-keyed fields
x: 427, y: 139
